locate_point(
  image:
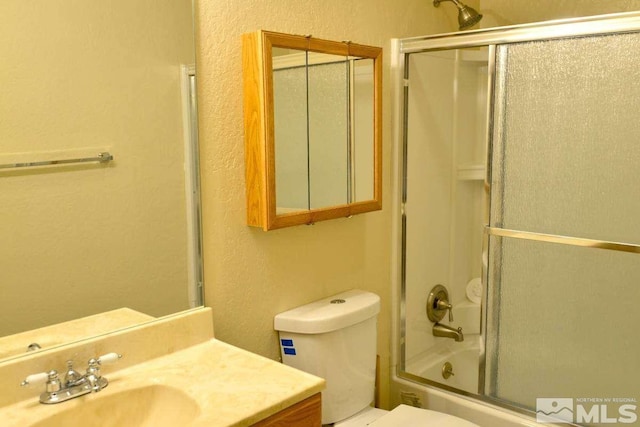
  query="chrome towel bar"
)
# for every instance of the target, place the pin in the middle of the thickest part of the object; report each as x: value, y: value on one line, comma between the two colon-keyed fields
x: 103, y: 157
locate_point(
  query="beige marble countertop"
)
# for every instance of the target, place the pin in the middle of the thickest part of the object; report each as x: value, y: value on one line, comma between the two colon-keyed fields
x: 212, y: 383
x: 72, y: 330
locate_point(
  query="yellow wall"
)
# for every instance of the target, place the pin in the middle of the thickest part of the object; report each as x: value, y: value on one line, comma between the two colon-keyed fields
x: 78, y: 78
x: 252, y: 275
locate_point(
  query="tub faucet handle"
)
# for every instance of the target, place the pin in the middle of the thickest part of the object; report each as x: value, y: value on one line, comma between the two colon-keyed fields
x: 444, y: 305
x: 438, y: 304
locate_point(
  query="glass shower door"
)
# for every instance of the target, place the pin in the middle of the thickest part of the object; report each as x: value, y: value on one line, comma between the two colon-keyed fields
x: 564, y: 260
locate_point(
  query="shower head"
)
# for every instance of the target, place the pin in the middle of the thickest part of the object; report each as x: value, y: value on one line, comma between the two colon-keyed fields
x: 467, y: 16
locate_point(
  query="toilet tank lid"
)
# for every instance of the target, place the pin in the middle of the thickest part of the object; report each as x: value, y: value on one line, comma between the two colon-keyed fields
x: 329, y: 314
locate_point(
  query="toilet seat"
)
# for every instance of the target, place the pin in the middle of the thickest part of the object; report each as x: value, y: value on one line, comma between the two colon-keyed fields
x: 405, y: 416
x: 363, y: 418
x: 409, y: 416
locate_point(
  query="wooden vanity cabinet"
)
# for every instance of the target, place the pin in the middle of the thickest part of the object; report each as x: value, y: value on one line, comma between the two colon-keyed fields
x: 307, y: 413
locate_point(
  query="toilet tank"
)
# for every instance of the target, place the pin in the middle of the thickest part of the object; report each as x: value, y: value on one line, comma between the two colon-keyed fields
x: 334, y: 338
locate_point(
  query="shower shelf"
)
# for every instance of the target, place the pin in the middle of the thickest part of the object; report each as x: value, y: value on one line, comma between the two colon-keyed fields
x: 471, y: 172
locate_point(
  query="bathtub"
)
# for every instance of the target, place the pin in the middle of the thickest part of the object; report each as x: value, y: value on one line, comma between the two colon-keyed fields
x: 481, y: 413
x: 464, y: 359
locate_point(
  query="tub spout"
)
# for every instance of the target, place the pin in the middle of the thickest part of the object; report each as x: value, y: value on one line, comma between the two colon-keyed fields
x: 447, y: 332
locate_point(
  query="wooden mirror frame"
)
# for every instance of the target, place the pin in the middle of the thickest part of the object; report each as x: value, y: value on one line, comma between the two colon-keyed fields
x: 260, y: 132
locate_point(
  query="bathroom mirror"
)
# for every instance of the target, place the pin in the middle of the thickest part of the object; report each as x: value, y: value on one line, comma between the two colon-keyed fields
x: 312, y: 129
x: 119, y: 236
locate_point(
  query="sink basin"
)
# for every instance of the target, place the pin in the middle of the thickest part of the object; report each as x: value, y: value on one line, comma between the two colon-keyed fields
x: 154, y: 405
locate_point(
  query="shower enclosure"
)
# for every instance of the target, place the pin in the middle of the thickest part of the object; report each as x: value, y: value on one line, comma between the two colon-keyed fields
x: 519, y: 191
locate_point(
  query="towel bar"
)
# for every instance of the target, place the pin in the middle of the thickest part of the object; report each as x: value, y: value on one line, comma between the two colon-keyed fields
x: 103, y: 157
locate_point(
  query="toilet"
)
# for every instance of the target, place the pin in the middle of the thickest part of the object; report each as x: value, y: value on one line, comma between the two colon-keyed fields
x: 335, y: 338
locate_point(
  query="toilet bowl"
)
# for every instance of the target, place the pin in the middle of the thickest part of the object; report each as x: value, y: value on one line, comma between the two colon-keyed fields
x: 335, y: 338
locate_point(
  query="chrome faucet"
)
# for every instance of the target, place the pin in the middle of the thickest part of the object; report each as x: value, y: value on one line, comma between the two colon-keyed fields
x: 74, y: 384
x: 437, y: 306
x: 447, y: 331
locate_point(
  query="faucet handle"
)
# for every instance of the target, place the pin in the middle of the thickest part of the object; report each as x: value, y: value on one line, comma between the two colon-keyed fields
x: 438, y: 304
x: 105, y: 359
x: 34, y: 379
x: 93, y: 376
x: 108, y: 358
x: 444, y: 305
x: 50, y: 378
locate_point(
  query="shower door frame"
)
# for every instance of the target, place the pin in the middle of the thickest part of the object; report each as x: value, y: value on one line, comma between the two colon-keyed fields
x: 617, y: 23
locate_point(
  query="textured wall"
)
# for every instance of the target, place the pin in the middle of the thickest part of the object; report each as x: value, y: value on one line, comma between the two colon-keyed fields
x: 251, y: 275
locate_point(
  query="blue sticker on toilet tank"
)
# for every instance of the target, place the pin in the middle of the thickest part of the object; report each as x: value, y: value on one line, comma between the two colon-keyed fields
x: 289, y: 350
x: 287, y: 343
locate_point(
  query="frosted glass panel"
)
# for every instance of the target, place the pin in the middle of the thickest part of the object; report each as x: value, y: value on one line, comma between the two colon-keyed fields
x: 328, y: 130
x: 564, y: 322
x: 566, y: 143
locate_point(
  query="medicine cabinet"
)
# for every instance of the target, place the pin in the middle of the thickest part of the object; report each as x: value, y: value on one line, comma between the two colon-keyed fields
x: 313, y: 136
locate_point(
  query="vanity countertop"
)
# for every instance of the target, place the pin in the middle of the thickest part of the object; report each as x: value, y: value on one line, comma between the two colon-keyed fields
x: 229, y: 386
x: 72, y: 330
